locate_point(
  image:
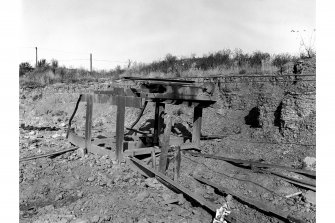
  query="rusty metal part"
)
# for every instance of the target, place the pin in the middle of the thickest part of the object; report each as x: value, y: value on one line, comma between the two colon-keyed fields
x: 256, y: 164
x: 149, y: 172
x: 261, y: 206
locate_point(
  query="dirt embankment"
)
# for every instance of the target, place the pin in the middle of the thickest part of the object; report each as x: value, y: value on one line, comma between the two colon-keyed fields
x: 271, y: 121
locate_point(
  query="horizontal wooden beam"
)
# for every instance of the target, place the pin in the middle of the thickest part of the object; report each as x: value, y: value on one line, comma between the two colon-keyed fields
x: 179, y: 188
x: 256, y: 164
x: 261, y: 206
x: 80, y: 142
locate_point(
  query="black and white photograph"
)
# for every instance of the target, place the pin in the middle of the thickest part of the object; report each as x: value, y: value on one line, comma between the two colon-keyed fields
x: 181, y: 111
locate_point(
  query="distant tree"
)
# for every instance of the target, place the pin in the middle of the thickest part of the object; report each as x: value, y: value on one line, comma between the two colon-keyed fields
x: 25, y: 67
x: 280, y: 60
x: 257, y: 58
x: 240, y: 58
x: 54, y: 65
x: 42, y: 63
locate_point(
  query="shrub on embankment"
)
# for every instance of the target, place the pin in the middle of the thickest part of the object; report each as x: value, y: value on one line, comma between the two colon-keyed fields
x: 224, y: 62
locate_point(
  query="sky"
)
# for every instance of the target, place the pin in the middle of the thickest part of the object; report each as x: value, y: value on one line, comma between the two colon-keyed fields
x: 116, y: 31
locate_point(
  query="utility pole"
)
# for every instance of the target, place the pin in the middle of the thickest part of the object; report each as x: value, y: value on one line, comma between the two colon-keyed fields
x: 91, y: 63
x: 36, y: 56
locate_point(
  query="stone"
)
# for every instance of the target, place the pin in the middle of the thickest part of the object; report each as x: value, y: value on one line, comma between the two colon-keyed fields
x: 90, y: 179
x: 153, y: 182
x: 55, y: 136
x: 95, y: 219
x: 229, y: 198
x: 80, y: 220
x: 181, y: 198
x: 141, y: 196
x: 309, y: 163
x: 310, y: 196
x: 80, y: 194
x: 59, y: 196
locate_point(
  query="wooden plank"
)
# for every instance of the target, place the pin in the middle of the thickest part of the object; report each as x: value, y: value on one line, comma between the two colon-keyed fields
x: 80, y: 142
x: 177, y: 163
x: 165, y: 145
x: 153, y: 157
x: 159, y: 119
x: 141, y: 151
x: 196, y: 129
x: 177, y: 187
x: 263, y: 207
x: 301, y: 183
x: 120, y: 114
x: 88, y: 124
x: 257, y: 164
x: 187, y: 146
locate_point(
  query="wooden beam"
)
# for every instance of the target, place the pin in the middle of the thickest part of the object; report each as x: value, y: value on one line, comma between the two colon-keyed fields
x: 120, y: 114
x: 149, y: 172
x: 301, y: 183
x: 88, y: 124
x: 196, y: 129
x: 153, y: 157
x: 263, y: 207
x: 159, y: 119
x: 177, y: 161
x: 80, y: 142
x: 257, y: 164
x: 165, y: 145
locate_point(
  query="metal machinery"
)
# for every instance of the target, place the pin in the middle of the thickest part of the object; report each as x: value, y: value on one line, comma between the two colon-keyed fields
x: 159, y: 91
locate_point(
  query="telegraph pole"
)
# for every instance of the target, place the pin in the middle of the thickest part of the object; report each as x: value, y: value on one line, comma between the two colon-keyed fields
x: 36, y: 56
x: 91, y: 63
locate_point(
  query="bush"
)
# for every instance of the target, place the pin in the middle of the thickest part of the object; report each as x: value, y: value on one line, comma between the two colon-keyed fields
x: 54, y: 65
x: 24, y: 68
x: 257, y: 58
x: 280, y: 60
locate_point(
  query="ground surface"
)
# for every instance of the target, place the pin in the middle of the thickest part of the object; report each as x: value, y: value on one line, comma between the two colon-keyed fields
x: 71, y: 188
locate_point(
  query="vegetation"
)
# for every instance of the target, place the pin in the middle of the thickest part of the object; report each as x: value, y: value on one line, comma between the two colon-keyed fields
x: 223, y: 62
x: 24, y: 68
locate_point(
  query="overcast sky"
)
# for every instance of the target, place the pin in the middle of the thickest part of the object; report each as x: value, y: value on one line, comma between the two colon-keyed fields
x: 146, y: 30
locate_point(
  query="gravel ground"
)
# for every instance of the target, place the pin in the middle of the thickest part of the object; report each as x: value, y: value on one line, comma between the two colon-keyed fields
x: 71, y: 188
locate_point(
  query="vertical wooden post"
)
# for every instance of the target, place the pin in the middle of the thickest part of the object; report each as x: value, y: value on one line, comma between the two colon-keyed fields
x: 196, y: 130
x: 120, y: 113
x: 88, y: 125
x: 153, y: 157
x: 165, y: 145
x: 159, y: 115
x: 177, y: 158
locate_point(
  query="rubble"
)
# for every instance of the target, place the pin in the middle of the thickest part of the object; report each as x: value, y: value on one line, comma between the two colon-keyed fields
x: 93, y: 188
